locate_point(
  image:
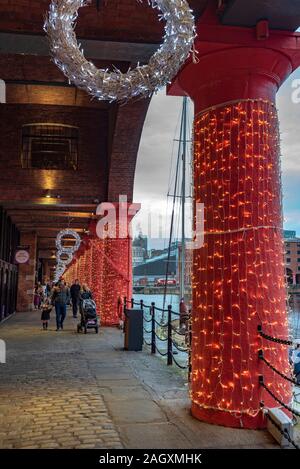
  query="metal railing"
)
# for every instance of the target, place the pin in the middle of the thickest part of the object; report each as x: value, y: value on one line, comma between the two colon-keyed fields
x: 161, y: 334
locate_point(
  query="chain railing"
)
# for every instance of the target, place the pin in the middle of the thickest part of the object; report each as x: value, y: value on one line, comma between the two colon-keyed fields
x: 164, y: 336
x: 292, y: 379
x: 156, y: 329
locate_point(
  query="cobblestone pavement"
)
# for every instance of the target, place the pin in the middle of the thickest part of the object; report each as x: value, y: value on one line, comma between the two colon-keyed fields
x: 69, y: 390
x: 49, y: 396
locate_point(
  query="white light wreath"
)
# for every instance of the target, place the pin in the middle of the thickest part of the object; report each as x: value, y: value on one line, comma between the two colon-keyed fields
x: 66, y: 261
x: 61, y: 235
x: 117, y: 86
x: 68, y: 251
x: 60, y: 269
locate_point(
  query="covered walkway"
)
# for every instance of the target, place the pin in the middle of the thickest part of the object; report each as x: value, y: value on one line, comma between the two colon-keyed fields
x: 64, y: 390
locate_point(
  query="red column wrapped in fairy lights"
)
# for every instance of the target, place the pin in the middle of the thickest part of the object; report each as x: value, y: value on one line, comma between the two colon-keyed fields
x: 238, y: 274
x: 117, y: 272
x: 105, y: 265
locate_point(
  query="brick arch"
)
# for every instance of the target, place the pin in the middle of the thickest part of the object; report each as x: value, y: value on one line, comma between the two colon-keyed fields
x: 129, y: 124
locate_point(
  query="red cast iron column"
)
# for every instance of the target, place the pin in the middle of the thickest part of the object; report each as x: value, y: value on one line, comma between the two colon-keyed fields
x: 238, y: 275
x: 112, y: 262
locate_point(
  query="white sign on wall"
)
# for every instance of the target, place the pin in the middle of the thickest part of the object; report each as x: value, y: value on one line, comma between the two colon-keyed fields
x: 22, y: 256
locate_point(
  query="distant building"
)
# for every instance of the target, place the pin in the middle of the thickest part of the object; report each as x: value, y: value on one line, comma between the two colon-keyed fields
x: 287, y: 234
x: 156, y: 267
x: 139, y: 249
x: 292, y: 257
x: 138, y: 255
x: 141, y: 241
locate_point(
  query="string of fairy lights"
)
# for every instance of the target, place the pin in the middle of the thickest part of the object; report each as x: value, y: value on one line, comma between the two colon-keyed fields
x: 104, y: 265
x: 238, y: 280
x: 238, y: 273
x: 114, y: 85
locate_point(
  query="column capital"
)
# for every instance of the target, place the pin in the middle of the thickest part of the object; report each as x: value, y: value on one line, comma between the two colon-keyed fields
x: 236, y: 63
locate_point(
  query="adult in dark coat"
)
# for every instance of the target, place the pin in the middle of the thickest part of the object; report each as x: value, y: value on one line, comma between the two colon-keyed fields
x: 60, y: 299
x: 75, y: 293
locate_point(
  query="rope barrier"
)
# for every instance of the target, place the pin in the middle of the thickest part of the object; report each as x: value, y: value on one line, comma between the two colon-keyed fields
x: 159, y: 324
x: 147, y: 320
x: 294, y: 412
x: 159, y: 338
x: 178, y: 331
x: 295, y: 398
x: 273, y: 339
x: 184, y: 350
x: 178, y: 364
x: 284, y: 432
x: 168, y: 353
x: 161, y: 353
x: 291, y: 380
x: 161, y: 309
x: 175, y: 314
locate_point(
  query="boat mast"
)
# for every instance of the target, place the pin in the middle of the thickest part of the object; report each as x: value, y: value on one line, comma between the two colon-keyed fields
x: 183, y: 142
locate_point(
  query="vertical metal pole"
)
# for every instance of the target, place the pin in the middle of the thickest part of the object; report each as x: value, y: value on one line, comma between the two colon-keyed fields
x: 190, y: 345
x: 125, y: 316
x: 132, y: 303
x: 170, y: 356
x: 153, y: 337
x: 184, y: 143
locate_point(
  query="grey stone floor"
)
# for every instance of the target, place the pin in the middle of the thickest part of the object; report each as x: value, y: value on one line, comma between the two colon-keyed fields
x: 69, y: 390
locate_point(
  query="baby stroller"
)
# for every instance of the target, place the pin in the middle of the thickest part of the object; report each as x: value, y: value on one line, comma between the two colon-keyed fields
x: 89, y: 318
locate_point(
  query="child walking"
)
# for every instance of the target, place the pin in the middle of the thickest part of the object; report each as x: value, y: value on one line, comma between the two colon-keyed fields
x: 46, y: 310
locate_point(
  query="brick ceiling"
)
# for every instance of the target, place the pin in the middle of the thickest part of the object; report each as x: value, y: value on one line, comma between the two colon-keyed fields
x: 116, y: 20
x: 37, y: 89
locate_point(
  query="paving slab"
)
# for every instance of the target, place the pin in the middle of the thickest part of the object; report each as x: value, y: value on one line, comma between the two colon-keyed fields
x: 135, y: 410
x: 153, y: 436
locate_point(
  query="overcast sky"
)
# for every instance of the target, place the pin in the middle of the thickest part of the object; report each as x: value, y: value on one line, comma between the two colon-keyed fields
x: 155, y: 153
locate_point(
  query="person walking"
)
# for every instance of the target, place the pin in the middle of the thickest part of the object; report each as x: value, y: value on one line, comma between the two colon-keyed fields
x: 38, y: 296
x: 296, y: 362
x: 60, y: 299
x: 48, y: 288
x: 183, y: 314
x: 85, y: 294
x: 75, y: 293
x: 45, y: 316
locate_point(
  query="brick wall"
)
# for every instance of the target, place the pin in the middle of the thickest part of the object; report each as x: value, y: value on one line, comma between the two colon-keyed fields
x: 88, y: 181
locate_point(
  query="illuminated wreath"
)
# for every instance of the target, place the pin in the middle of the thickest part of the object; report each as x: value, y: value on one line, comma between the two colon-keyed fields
x: 66, y: 261
x: 59, y: 270
x: 117, y: 86
x: 70, y: 249
x: 63, y: 250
